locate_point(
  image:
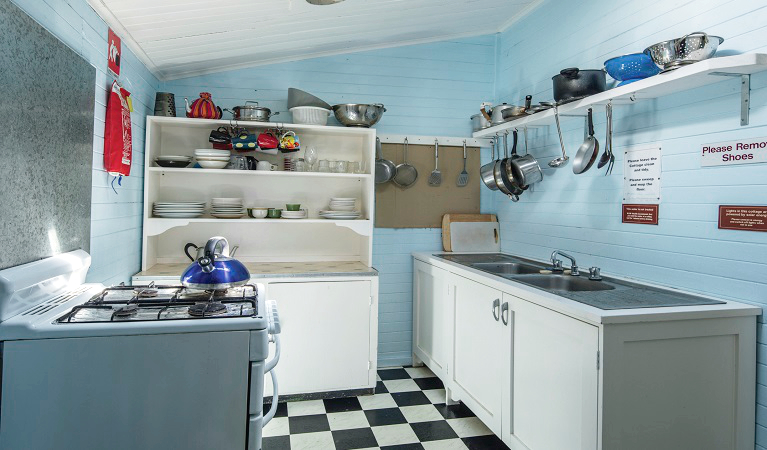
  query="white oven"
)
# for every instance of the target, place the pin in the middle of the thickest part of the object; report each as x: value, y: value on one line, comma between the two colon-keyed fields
x: 129, y: 368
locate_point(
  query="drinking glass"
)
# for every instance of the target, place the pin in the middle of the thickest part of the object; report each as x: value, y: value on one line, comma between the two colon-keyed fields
x: 342, y: 166
x: 324, y: 166
x: 354, y: 167
x: 300, y: 165
x: 310, y: 155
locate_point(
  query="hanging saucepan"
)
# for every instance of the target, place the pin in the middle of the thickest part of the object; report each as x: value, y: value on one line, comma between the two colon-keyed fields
x: 486, y: 171
x: 503, y: 176
x: 525, y: 169
x: 508, y: 164
x: 385, y: 169
x: 252, y: 113
x: 572, y: 84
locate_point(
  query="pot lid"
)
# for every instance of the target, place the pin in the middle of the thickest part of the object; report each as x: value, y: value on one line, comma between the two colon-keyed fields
x: 253, y: 108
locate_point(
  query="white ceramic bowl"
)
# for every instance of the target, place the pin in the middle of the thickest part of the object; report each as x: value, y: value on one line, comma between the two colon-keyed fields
x: 212, y: 164
x: 257, y: 213
x: 212, y: 152
x: 310, y: 115
x: 212, y: 158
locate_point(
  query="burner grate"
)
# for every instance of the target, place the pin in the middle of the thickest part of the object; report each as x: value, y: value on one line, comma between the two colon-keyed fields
x: 151, y: 303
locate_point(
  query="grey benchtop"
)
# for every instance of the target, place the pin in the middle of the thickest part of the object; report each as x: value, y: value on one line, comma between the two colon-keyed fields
x: 274, y: 270
x: 638, y: 301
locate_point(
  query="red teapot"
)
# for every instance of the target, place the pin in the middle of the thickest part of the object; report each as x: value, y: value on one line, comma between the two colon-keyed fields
x: 203, y: 108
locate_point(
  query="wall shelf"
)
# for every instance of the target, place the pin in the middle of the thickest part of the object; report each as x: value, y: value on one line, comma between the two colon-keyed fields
x: 154, y: 226
x: 685, y: 78
x: 257, y: 173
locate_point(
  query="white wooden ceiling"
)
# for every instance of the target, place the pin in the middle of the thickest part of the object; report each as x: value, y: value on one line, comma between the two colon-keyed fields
x: 180, y: 38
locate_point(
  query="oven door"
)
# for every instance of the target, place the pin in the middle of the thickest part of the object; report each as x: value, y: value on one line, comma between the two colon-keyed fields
x: 185, y: 391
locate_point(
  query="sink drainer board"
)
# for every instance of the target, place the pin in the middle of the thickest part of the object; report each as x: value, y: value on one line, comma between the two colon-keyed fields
x: 624, y: 297
x: 619, y: 295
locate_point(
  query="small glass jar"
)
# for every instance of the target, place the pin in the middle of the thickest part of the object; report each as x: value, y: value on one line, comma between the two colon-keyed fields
x: 342, y: 166
x: 323, y: 166
x: 300, y: 165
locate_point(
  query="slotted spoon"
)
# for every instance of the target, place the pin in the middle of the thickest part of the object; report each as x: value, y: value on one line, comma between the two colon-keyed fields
x: 435, y: 179
x: 463, y: 177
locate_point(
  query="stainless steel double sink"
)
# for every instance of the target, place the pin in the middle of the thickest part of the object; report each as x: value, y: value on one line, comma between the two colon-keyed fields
x: 526, y: 272
x: 606, y: 294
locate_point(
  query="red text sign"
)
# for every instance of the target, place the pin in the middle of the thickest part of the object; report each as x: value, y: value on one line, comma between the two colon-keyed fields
x: 113, y: 52
x: 642, y: 214
x: 749, y: 218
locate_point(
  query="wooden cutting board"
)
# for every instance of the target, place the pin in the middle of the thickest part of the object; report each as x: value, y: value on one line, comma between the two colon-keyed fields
x: 447, y: 219
x: 475, y: 237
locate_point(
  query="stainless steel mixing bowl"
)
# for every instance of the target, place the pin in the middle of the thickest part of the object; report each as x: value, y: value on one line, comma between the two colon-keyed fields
x: 689, y: 49
x: 358, y: 115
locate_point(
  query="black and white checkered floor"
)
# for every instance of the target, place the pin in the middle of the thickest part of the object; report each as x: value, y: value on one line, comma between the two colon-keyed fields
x: 408, y: 411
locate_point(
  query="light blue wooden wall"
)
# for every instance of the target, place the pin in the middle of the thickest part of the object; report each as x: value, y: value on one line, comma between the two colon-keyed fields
x: 428, y: 89
x: 115, y: 218
x: 580, y: 214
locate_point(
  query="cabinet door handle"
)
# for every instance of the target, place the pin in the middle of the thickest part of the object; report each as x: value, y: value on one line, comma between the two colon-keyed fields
x: 496, y: 308
x: 505, y: 308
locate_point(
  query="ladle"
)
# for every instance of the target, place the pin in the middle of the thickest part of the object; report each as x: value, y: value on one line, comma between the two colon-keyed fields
x: 561, y: 161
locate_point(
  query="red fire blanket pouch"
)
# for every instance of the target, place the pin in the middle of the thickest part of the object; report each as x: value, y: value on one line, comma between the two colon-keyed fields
x: 118, y: 147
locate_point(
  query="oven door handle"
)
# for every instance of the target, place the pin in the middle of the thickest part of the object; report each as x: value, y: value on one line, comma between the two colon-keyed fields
x: 269, y: 368
x: 273, y: 362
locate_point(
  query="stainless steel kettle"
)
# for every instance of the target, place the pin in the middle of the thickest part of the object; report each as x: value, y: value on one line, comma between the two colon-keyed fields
x: 201, y: 251
x: 215, y: 270
x: 500, y: 113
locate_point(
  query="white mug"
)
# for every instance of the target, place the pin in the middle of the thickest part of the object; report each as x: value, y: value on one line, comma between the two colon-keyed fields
x: 265, y: 165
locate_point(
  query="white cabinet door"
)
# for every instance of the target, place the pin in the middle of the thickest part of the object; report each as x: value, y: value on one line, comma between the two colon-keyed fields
x: 480, y: 353
x: 326, y: 342
x: 552, y: 403
x: 431, y: 334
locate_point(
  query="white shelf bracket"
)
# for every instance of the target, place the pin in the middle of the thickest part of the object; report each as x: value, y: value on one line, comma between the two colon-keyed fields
x: 745, y: 94
x: 360, y: 227
x: 156, y: 226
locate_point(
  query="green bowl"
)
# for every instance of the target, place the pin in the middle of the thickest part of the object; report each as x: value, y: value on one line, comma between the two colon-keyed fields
x: 293, y: 206
x: 274, y: 213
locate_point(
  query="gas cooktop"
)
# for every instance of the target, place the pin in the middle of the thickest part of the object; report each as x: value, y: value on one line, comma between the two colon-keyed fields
x: 151, y: 303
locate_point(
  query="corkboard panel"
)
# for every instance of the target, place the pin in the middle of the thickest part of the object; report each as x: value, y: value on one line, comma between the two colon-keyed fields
x: 421, y: 205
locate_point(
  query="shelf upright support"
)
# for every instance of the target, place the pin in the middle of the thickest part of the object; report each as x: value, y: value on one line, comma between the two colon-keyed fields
x: 745, y: 94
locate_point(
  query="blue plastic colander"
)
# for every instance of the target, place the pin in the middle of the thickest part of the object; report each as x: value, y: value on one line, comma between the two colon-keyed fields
x: 630, y: 68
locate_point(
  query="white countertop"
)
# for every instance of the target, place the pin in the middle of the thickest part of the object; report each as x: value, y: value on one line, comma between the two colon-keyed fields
x: 173, y: 271
x: 589, y: 313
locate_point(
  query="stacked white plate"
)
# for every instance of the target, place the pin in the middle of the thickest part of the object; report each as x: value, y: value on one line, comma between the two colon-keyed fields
x: 211, y: 158
x: 340, y: 215
x: 227, y: 208
x: 342, y: 204
x: 177, y: 210
x: 300, y: 214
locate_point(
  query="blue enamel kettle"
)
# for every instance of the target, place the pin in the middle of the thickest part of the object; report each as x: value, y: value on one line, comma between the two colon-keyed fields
x: 215, y: 269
